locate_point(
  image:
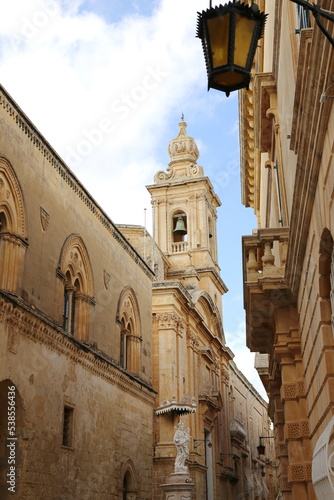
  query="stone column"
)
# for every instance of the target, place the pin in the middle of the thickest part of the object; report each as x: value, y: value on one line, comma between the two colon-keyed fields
x: 293, y: 398
x: 178, y: 486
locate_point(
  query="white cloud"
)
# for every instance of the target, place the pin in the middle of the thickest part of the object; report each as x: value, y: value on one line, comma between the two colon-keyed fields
x: 102, y: 93
x: 108, y: 94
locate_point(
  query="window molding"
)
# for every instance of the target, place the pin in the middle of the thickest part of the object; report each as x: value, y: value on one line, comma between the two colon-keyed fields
x: 68, y: 427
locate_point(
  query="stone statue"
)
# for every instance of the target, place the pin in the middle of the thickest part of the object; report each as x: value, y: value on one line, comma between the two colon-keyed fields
x: 181, y: 441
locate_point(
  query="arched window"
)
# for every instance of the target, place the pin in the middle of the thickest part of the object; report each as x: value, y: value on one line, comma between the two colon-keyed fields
x: 179, y: 227
x: 126, y: 484
x: 76, y: 275
x: 129, y: 482
x: 13, y: 233
x: 326, y: 279
x: 128, y: 320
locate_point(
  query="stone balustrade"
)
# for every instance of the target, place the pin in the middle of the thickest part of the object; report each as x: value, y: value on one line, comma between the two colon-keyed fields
x: 264, y: 253
x: 181, y: 246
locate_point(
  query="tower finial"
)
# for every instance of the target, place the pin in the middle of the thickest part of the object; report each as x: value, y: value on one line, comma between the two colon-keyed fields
x: 182, y: 117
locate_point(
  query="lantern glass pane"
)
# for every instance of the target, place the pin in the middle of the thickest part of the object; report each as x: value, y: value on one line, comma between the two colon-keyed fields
x: 229, y: 79
x: 218, y: 28
x: 243, y: 39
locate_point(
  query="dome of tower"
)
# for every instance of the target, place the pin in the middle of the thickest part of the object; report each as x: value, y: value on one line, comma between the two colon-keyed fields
x: 183, y: 147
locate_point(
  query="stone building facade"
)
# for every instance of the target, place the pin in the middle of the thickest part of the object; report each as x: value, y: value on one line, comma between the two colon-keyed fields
x: 287, y: 143
x: 109, y: 337
x: 76, y: 332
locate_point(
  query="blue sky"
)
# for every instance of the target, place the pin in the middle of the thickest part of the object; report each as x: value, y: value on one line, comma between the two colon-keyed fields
x: 106, y: 83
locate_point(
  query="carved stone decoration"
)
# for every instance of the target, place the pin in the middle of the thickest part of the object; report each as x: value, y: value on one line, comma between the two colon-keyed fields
x: 13, y: 340
x: 45, y: 218
x: 168, y: 320
x: 181, y: 441
x: 225, y: 376
x: 182, y: 407
x: 106, y: 279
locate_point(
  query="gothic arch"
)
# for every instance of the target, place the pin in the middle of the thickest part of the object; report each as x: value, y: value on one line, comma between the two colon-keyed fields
x: 76, y: 273
x: 13, y: 230
x: 128, y: 319
x: 11, y: 199
x: 129, y: 481
x: 75, y: 260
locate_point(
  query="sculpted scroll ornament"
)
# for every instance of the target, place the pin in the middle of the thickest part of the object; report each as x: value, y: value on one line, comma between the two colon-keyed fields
x: 181, y: 441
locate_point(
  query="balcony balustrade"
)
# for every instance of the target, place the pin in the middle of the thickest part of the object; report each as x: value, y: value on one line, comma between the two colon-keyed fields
x: 181, y: 246
x: 265, y: 285
x: 264, y: 254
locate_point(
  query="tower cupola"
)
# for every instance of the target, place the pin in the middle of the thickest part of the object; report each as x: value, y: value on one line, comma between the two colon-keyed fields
x: 183, y: 147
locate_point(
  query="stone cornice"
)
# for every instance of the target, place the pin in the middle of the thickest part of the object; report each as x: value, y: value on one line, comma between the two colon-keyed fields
x: 40, y: 143
x: 174, y: 184
x: 247, y: 164
x: 38, y: 328
x: 201, y: 271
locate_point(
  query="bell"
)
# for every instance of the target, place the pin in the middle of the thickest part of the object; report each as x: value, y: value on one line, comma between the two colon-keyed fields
x: 180, y: 228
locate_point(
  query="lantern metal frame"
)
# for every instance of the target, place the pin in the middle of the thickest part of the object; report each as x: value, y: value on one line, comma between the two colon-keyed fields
x: 261, y: 448
x: 232, y: 9
x: 317, y: 14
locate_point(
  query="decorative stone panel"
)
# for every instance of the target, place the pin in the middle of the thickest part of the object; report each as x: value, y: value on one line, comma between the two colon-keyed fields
x: 297, y: 430
x: 296, y: 473
x: 289, y: 391
x: 304, y: 428
x: 308, y: 471
x: 282, y: 450
x: 300, y: 472
x: 168, y: 321
x: 301, y: 388
x: 284, y: 483
x: 279, y: 417
x: 292, y: 430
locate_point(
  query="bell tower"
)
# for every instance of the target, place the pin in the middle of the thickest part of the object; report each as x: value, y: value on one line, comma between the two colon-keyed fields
x: 184, y: 218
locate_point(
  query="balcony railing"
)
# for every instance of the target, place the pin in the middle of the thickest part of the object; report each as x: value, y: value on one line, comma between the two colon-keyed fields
x: 181, y: 246
x: 264, y: 253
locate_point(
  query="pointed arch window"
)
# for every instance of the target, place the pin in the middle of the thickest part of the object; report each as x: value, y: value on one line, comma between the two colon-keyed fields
x: 13, y: 234
x: 77, y: 290
x: 128, y: 319
x: 129, y: 481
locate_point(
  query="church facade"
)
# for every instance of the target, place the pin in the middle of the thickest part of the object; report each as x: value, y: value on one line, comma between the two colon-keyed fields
x: 110, y: 338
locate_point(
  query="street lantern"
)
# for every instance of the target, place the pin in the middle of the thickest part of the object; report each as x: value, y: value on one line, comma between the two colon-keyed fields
x: 229, y: 35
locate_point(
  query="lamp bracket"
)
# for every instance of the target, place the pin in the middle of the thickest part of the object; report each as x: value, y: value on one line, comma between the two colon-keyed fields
x: 317, y: 14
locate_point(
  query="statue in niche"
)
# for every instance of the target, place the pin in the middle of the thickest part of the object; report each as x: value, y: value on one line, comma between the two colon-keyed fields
x: 181, y: 441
